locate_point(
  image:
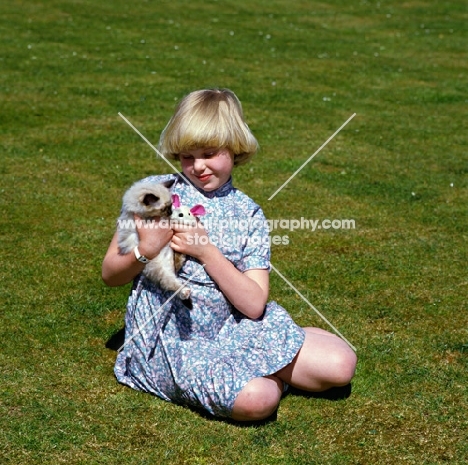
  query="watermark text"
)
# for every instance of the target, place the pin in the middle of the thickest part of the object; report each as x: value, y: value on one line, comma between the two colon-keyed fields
x: 245, y: 225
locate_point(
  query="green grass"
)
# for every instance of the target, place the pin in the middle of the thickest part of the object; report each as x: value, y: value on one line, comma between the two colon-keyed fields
x: 395, y: 285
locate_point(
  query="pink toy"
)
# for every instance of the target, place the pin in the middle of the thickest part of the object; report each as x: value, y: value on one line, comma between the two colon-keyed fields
x: 185, y: 214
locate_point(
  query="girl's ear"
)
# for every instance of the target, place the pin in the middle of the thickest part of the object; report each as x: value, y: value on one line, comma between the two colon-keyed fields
x: 175, y: 201
x: 198, y: 210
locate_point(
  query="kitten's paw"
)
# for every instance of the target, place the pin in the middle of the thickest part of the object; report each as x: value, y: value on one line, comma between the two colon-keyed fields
x: 184, y: 293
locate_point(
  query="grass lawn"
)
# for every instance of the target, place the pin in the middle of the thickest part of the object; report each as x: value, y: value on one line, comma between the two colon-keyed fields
x: 395, y: 285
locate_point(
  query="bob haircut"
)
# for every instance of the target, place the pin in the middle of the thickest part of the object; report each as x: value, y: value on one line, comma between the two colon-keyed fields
x: 209, y: 118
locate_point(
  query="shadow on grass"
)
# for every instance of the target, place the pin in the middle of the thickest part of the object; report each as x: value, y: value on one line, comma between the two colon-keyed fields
x: 116, y: 341
x: 242, y: 424
x: 333, y: 394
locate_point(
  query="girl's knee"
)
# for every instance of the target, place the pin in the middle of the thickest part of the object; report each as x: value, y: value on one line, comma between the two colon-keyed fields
x: 342, y: 366
x: 258, y: 400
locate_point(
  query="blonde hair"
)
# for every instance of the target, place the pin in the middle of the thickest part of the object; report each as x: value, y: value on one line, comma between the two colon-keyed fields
x: 209, y: 118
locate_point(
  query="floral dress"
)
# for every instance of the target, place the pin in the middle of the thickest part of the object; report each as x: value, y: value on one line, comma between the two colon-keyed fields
x: 203, y: 356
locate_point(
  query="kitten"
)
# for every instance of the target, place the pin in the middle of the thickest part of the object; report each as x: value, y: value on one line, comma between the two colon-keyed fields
x: 148, y: 200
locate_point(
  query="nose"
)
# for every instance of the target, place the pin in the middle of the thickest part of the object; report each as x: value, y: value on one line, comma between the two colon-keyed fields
x: 199, y: 165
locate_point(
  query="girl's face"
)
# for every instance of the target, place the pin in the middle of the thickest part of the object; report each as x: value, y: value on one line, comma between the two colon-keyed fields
x: 208, y: 168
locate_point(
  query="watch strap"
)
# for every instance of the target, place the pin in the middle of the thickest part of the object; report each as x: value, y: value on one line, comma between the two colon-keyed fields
x: 139, y: 257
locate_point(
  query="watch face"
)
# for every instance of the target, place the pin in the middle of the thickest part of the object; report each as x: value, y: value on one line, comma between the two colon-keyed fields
x: 143, y: 259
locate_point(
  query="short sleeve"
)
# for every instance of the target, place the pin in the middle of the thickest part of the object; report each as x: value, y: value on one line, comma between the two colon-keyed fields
x: 256, y: 250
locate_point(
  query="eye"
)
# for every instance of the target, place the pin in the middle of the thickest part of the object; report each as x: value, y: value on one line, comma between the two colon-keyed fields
x: 210, y: 154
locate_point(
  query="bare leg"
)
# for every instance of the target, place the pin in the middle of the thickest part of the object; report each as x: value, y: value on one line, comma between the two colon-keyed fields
x: 258, y: 400
x: 324, y: 361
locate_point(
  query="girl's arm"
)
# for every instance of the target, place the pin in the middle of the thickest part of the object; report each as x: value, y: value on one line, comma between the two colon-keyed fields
x: 247, y: 292
x: 118, y: 269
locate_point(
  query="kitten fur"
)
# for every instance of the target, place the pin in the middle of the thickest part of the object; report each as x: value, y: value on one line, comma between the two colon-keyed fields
x: 147, y: 200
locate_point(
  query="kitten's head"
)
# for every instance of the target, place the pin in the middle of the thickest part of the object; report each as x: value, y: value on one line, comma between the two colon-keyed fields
x: 148, y: 199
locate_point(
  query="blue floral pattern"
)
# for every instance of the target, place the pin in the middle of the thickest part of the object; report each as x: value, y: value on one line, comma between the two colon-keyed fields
x: 204, y: 356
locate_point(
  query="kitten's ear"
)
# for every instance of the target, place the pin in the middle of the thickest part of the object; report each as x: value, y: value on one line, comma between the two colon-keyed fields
x: 169, y: 183
x: 150, y: 199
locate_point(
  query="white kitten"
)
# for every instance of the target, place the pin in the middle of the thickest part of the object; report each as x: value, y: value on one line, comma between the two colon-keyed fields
x: 148, y: 200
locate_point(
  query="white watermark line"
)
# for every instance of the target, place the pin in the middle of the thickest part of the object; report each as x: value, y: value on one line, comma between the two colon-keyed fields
x: 154, y: 148
x: 160, y: 308
x: 318, y: 150
x: 241, y: 227
x: 313, y: 308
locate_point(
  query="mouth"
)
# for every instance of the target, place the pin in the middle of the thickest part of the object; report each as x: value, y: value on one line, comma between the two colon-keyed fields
x: 204, y: 177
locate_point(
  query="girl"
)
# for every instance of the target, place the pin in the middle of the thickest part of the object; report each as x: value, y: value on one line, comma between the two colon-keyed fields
x: 232, y: 353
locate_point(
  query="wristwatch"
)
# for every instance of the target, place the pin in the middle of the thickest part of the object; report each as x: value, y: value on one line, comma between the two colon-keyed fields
x: 139, y: 257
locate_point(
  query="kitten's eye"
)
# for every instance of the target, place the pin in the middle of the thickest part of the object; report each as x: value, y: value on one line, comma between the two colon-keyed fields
x: 181, y: 215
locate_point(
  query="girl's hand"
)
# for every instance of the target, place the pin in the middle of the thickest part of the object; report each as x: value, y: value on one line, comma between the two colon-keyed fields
x: 153, y: 235
x: 247, y: 292
x: 191, y: 240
